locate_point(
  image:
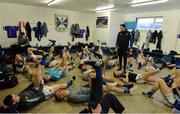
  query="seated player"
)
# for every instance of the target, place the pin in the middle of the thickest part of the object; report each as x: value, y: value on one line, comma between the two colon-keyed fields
x: 40, y: 92
x: 169, y: 87
x: 20, y: 66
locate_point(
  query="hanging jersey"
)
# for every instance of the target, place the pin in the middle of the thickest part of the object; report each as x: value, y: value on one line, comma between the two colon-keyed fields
x: 11, y: 31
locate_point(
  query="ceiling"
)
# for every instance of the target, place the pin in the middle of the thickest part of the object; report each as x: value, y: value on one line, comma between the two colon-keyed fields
x: 90, y: 5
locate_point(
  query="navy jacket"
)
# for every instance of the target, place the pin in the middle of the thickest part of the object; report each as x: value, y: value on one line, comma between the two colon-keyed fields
x: 123, y: 39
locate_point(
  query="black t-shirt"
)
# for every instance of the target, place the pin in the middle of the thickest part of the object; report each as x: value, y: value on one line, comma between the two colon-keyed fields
x: 131, y: 76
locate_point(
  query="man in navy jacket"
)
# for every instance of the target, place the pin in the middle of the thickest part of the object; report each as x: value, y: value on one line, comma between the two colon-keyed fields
x: 122, y: 45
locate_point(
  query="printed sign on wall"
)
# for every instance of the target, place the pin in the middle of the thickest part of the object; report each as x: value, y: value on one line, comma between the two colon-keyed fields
x: 61, y: 22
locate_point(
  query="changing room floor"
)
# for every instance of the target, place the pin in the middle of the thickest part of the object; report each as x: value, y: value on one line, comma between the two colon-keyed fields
x: 135, y: 103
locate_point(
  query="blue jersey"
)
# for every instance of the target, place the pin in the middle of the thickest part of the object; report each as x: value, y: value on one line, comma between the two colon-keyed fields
x: 11, y: 31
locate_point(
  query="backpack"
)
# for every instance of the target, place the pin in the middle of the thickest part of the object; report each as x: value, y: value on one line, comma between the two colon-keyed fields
x: 8, y: 81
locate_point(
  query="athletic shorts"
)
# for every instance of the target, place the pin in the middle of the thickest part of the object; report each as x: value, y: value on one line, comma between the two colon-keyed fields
x: 48, y: 91
x: 52, y: 63
x: 139, y: 79
x: 20, y: 68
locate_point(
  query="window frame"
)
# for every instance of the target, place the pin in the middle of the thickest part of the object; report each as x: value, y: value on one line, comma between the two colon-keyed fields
x: 154, y: 22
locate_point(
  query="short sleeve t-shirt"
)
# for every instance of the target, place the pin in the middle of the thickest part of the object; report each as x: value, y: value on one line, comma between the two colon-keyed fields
x: 11, y: 31
x: 131, y: 76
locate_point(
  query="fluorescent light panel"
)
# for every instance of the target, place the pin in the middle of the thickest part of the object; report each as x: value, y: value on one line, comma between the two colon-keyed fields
x: 140, y: 1
x: 104, y: 7
x: 149, y: 3
x: 106, y: 10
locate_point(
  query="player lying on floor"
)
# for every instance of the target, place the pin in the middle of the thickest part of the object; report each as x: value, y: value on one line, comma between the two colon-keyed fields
x: 137, y: 78
x: 32, y: 56
x: 73, y: 94
x: 51, y: 61
x: 20, y: 66
x: 40, y: 92
x: 85, y: 54
x: 81, y: 94
x: 99, y: 103
x: 109, y: 84
x: 57, y: 72
x: 169, y: 87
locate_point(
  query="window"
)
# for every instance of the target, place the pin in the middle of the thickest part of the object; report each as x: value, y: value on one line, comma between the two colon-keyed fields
x: 149, y: 23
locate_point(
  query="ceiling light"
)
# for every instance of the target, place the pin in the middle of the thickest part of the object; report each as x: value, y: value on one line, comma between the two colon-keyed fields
x: 104, y: 7
x: 106, y: 10
x: 149, y: 3
x: 140, y: 1
x: 51, y: 2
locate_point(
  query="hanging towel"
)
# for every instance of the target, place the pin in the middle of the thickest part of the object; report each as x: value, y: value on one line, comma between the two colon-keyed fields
x: 28, y: 31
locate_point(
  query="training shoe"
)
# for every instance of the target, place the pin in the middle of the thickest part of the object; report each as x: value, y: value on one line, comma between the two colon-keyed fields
x: 132, y: 89
x: 131, y: 69
x: 148, y: 94
x: 129, y: 86
x: 74, y: 78
x: 167, y: 103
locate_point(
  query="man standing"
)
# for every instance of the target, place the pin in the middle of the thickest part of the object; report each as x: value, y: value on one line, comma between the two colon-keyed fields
x: 122, y: 45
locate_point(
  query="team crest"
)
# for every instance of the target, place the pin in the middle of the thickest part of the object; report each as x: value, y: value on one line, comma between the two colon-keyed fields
x: 61, y: 22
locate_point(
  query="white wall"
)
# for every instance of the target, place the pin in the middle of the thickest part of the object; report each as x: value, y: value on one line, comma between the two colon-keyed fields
x: 11, y: 14
x: 115, y: 20
x: 101, y: 34
x: 109, y: 35
x: 170, y: 28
